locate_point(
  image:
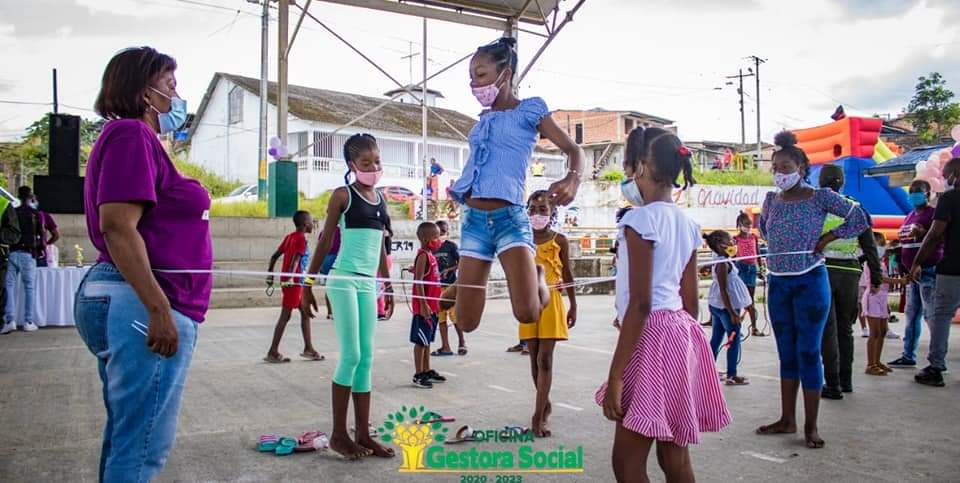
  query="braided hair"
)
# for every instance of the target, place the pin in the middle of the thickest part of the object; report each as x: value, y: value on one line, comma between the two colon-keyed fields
x: 355, y: 145
x: 545, y: 196
x: 787, y: 141
x: 503, y: 52
x: 665, y: 151
x: 714, y: 239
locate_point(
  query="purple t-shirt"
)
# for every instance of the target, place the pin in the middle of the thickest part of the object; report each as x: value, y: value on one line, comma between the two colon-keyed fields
x: 129, y: 165
x: 911, y: 246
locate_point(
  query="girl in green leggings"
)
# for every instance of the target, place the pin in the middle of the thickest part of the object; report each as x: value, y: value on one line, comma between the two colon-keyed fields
x: 361, y: 214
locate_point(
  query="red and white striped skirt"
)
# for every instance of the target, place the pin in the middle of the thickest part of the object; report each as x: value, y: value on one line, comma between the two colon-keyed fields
x: 671, y: 390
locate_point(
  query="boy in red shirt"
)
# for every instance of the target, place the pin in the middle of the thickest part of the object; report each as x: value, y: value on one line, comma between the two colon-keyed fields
x: 423, y: 328
x: 295, y: 255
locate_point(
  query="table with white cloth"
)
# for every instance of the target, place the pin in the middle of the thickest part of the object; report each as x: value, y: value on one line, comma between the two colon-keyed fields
x: 54, y: 292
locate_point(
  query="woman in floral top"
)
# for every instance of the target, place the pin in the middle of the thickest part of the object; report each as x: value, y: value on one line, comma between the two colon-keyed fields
x: 799, y: 299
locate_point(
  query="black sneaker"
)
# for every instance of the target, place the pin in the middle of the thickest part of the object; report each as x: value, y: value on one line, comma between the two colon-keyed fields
x: 847, y: 389
x: 831, y: 393
x: 929, y: 377
x: 902, y: 362
x: 432, y: 375
x: 422, y: 381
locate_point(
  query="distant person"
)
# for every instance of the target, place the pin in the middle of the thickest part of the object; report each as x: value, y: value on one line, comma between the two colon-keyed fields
x: 448, y: 259
x: 946, y: 296
x: 9, y: 234
x: 876, y: 307
x: 142, y: 214
x: 296, y: 255
x: 727, y: 298
x: 49, y: 234
x: 425, y: 305
x: 751, y: 265
x: 919, y: 292
x: 435, y: 168
x: 22, y: 264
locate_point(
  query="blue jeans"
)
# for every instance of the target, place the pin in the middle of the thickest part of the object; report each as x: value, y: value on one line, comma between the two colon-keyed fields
x: 486, y: 234
x: 919, y: 303
x: 722, y: 328
x: 748, y: 273
x: 799, y: 307
x: 946, y: 301
x: 20, y: 264
x: 141, y: 389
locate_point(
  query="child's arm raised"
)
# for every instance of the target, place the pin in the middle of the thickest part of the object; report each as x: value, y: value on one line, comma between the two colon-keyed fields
x: 640, y: 253
x: 568, y: 280
x: 335, y: 208
x: 564, y: 191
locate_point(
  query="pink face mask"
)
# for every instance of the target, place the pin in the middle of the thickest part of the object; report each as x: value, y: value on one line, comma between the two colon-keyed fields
x: 539, y: 222
x: 487, y: 95
x: 368, y: 178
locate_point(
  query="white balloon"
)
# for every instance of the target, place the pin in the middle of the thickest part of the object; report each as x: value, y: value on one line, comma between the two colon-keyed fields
x: 955, y: 133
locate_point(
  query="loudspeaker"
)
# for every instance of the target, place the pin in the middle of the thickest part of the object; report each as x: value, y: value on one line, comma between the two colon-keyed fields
x: 59, y: 194
x: 64, y: 148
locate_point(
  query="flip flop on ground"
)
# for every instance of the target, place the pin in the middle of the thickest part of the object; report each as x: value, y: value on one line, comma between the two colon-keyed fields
x: 463, y: 435
x: 276, y: 359
x: 312, y: 356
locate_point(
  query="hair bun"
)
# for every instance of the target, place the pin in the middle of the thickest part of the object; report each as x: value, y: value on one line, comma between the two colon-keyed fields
x: 508, y: 42
x: 785, y: 139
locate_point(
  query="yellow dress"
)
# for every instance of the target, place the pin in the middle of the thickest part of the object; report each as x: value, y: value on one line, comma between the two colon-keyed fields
x: 553, y: 319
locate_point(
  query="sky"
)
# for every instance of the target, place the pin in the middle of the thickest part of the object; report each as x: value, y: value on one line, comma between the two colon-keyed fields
x: 668, y: 58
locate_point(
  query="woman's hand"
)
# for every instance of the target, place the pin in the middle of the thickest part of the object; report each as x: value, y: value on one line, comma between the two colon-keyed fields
x: 611, y: 400
x: 824, y: 240
x: 308, y: 303
x: 388, y: 298
x: 564, y: 191
x: 162, y: 335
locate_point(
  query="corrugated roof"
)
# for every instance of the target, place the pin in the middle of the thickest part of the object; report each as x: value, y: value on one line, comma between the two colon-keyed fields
x: 338, y: 108
x: 905, y: 162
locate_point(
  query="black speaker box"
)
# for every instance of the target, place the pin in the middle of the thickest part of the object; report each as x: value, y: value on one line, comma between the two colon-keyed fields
x: 64, y: 149
x: 59, y: 194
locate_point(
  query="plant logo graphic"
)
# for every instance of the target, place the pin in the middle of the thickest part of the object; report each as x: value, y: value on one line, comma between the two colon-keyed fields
x: 413, y: 430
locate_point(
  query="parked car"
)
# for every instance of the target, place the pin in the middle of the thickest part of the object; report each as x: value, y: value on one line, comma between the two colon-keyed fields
x: 397, y: 193
x: 247, y: 192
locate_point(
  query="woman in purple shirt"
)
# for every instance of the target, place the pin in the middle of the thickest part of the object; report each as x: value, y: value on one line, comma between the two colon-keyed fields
x: 136, y: 310
x: 799, y: 291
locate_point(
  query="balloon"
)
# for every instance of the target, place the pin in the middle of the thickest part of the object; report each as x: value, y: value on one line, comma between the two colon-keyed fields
x: 920, y: 167
x: 955, y: 133
x: 956, y: 151
x: 274, y: 142
x: 945, y: 156
x: 282, y: 152
x: 937, y: 185
x: 272, y: 152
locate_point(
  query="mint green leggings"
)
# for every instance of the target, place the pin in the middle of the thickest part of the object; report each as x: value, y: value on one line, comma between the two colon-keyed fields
x: 354, y: 304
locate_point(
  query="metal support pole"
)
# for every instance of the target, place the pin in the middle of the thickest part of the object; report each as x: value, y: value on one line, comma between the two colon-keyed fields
x: 264, y: 76
x: 743, y: 118
x: 423, y: 125
x: 56, y: 102
x: 283, y: 18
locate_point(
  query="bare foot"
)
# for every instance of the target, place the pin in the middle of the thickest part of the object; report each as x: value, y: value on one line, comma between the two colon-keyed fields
x: 779, y: 427
x: 814, y: 441
x: 375, y: 448
x: 342, y: 444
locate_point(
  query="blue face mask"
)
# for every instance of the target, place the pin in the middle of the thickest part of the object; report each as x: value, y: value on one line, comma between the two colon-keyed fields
x: 918, y: 199
x: 174, y: 118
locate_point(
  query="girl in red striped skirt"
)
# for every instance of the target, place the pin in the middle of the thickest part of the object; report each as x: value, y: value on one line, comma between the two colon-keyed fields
x: 663, y: 383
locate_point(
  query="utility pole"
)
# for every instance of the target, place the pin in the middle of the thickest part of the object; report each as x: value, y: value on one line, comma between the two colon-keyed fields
x: 56, y: 103
x: 423, y: 125
x: 264, y: 77
x: 283, y: 17
x: 756, y: 63
x: 743, y: 122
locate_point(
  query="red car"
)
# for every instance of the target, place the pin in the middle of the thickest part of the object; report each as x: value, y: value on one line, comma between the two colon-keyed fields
x: 397, y: 193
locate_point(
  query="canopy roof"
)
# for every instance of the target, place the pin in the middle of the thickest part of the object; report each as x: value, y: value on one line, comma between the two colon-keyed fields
x: 495, y: 14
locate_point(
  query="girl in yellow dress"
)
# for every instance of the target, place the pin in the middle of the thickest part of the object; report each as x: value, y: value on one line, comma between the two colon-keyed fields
x: 553, y: 254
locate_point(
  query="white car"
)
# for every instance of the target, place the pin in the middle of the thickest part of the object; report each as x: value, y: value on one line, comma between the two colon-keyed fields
x: 247, y: 192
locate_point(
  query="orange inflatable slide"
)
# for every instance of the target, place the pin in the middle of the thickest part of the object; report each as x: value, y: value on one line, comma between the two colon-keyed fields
x: 851, y: 136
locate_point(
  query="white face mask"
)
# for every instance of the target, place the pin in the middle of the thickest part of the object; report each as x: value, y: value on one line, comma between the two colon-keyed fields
x: 631, y: 192
x: 786, y: 181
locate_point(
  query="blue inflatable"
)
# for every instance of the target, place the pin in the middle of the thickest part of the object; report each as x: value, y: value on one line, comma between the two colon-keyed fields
x: 875, y: 194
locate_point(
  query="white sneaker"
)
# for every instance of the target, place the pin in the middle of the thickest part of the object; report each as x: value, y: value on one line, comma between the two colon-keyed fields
x: 30, y: 327
x: 8, y: 328
x: 892, y: 335
x: 864, y: 332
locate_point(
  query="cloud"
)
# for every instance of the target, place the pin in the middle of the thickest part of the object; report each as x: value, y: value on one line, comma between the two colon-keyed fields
x: 891, y: 92
x: 69, y: 18
x: 873, y: 9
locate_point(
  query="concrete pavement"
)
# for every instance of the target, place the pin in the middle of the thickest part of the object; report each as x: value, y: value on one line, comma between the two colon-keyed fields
x: 51, y: 413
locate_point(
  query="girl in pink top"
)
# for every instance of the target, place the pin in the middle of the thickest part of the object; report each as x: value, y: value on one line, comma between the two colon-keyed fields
x: 663, y: 383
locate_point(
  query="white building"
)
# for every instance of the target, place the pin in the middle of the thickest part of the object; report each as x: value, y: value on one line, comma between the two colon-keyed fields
x: 224, y: 135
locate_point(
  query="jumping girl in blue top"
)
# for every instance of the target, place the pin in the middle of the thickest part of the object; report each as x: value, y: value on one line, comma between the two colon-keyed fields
x: 493, y: 183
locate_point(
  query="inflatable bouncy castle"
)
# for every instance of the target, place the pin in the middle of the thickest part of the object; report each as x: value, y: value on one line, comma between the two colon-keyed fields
x: 854, y: 143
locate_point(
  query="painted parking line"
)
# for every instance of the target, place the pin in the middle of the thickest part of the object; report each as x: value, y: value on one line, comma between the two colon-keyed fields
x: 567, y: 406
x: 445, y: 373
x: 500, y: 388
x: 764, y: 457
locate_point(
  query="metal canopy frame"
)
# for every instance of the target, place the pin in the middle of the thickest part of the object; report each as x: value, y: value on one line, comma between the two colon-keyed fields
x: 502, y: 15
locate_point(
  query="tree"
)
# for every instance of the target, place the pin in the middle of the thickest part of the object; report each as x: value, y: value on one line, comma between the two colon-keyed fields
x: 30, y: 154
x: 931, y: 110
